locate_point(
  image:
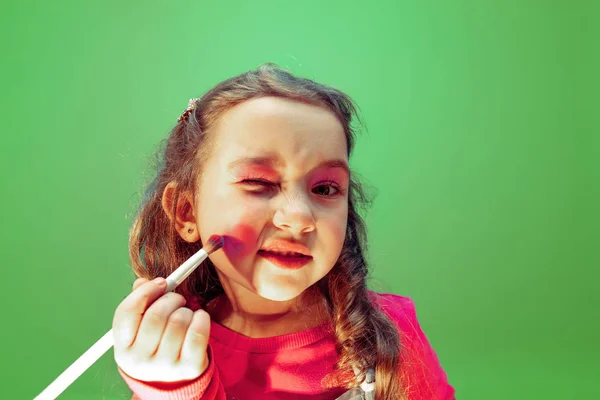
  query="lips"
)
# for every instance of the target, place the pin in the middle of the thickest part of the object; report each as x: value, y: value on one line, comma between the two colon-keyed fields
x: 285, y: 247
x: 286, y: 260
x: 286, y: 254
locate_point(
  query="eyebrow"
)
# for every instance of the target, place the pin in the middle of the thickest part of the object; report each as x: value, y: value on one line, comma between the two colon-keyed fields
x: 336, y: 164
x: 274, y: 162
x: 268, y: 161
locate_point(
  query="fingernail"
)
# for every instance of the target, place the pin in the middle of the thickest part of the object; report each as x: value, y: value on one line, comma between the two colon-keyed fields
x: 160, y: 281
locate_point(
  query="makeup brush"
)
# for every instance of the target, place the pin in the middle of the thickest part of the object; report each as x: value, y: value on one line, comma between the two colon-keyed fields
x: 215, y: 242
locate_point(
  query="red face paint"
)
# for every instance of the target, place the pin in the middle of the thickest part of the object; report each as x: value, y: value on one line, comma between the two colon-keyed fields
x: 255, y: 172
x: 334, y: 174
x: 239, y: 242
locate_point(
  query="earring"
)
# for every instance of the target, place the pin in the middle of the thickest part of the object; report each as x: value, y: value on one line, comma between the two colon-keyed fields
x: 190, y: 230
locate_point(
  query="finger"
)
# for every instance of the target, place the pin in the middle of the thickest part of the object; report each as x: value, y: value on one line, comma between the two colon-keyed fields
x: 196, y: 338
x: 171, y: 342
x: 138, y: 282
x: 154, y: 323
x: 129, y: 313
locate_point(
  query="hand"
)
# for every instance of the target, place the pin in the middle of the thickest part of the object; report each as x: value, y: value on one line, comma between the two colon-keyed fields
x: 157, y: 339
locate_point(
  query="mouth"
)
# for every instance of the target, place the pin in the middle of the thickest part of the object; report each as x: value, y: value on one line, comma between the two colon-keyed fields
x: 285, y: 259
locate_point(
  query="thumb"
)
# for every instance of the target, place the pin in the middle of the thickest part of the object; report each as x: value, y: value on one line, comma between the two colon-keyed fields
x: 138, y: 282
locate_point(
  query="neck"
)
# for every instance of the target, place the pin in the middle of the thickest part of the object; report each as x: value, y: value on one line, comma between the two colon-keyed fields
x: 254, y: 316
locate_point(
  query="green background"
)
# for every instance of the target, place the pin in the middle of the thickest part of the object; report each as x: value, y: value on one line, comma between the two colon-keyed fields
x: 482, y: 143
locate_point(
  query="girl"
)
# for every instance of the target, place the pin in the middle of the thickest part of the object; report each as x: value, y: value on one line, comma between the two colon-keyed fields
x: 282, y: 311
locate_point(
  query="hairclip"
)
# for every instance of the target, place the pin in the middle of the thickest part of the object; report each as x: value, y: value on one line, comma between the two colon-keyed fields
x: 188, y: 110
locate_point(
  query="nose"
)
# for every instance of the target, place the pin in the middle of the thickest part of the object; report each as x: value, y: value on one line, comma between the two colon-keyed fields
x: 295, y: 215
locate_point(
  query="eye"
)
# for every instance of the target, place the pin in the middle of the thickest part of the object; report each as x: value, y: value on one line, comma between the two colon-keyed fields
x: 257, y: 182
x: 328, y: 189
x: 259, y: 185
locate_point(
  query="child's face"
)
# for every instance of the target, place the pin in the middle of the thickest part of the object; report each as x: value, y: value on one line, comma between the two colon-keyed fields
x: 278, y: 172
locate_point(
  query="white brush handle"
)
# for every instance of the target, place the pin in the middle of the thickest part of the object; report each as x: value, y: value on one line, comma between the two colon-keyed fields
x: 78, y: 367
x: 185, y: 269
x: 107, y: 341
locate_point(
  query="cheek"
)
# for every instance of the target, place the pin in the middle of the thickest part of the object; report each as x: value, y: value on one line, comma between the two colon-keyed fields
x: 239, y: 241
x: 235, y: 217
x: 336, y: 229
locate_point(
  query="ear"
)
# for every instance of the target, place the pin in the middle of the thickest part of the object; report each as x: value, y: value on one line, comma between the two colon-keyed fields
x: 185, y: 220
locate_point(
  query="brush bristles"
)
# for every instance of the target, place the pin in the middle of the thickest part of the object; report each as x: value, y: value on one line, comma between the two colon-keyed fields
x: 215, y: 242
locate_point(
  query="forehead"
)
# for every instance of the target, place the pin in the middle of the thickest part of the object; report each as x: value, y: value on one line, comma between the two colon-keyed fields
x: 292, y: 130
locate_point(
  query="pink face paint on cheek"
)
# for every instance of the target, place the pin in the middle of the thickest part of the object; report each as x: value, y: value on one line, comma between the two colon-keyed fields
x: 239, y: 242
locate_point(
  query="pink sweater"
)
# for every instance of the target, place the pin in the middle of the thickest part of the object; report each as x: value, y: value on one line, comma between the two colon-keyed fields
x: 291, y: 367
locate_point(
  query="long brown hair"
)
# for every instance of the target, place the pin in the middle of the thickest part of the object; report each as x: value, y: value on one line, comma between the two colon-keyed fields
x: 365, y: 337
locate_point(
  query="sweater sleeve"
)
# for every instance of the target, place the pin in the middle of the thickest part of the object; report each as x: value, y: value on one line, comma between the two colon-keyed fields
x: 421, y: 372
x: 206, y: 387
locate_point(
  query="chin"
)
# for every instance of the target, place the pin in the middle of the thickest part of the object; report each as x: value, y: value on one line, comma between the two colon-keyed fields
x: 279, y: 292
